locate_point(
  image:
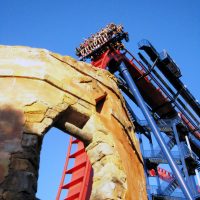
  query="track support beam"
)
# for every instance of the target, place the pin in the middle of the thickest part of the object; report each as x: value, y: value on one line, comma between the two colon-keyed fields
x: 140, y: 101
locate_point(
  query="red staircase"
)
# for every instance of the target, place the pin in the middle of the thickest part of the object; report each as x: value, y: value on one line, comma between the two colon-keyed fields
x: 80, y: 185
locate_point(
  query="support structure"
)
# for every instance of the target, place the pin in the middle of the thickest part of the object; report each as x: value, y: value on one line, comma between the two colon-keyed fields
x: 152, y: 124
x: 161, y: 104
x: 81, y: 173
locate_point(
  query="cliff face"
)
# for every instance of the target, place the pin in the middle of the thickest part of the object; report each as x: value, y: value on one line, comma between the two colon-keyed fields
x: 41, y: 89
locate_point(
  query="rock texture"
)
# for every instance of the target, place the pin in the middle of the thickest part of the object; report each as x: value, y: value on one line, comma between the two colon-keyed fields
x: 41, y: 89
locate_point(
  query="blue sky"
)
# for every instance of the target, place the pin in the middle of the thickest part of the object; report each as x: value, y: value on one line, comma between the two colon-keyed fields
x: 61, y: 25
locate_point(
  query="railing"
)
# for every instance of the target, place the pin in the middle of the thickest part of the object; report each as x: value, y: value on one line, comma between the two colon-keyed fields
x: 155, y: 191
x: 158, y: 154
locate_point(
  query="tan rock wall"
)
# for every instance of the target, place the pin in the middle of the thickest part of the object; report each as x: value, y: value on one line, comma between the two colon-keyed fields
x: 44, y: 89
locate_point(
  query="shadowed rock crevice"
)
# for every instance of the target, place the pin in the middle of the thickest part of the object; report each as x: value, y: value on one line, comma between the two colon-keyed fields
x: 100, y: 104
x: 72, y: 116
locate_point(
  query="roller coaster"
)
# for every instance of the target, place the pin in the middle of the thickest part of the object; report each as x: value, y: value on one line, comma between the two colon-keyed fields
x: 171, y: 114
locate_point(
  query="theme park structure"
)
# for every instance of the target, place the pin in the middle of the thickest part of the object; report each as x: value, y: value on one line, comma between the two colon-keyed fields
x: 40, y: 90
x: 171, y: 118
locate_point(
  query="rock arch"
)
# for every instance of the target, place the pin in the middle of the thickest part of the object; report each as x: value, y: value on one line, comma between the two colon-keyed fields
x: 40, y: 89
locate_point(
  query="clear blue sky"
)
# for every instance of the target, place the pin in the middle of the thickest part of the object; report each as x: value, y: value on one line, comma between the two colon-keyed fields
x: 61, y: 25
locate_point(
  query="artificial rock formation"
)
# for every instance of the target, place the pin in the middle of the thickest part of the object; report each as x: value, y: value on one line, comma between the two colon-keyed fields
x: 41, y: 89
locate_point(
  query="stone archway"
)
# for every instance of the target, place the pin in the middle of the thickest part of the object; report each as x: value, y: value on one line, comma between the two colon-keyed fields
x: 41, y: 89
